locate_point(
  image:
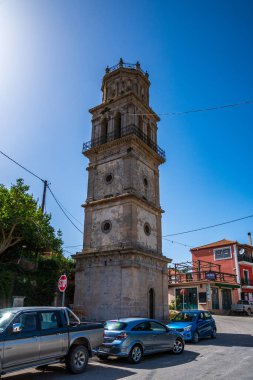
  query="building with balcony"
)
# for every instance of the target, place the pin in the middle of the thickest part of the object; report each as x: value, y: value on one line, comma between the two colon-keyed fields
x: 232, y: 257
x: 201, y: 285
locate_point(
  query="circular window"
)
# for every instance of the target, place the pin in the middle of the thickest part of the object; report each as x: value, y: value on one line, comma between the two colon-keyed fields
x: 109, y: 178
x: 147, y: 229
x: 145, y: 181
x: 106, y: 226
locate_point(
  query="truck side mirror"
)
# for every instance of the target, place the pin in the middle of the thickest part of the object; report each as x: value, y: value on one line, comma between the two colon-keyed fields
x: 16, y: 327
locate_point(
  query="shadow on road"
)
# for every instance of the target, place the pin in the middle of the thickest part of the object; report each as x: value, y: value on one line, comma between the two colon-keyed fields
x: 58, y: 372
x: 227, y: 340
x: 155, y: 361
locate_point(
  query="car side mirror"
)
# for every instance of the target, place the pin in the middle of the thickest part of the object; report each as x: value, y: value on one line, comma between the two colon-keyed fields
x: 16, y: 327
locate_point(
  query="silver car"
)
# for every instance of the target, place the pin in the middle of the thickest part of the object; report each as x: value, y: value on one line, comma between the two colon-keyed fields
x: 135, y: 337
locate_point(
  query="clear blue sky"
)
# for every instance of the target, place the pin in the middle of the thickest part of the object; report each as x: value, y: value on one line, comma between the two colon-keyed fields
x: 198, y: 54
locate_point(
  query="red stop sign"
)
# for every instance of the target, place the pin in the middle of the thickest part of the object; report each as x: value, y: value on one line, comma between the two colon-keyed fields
x: 62, y: 283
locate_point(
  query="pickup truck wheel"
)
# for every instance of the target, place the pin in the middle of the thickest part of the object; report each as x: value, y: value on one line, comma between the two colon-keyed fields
x: 77, y: 359
x: 248, y: 312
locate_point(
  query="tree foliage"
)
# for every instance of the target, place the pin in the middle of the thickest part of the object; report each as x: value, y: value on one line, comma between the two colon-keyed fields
x: 22, y: 223
x: 31, y: 258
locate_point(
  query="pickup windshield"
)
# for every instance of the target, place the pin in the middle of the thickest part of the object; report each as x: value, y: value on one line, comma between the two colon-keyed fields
x: 5, y: 318
x: 242, y: 302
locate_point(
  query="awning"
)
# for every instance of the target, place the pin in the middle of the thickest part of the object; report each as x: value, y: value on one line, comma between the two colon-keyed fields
x: 230, y: 286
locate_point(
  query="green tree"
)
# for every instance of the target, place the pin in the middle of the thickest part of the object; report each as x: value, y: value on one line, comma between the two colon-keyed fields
x: 31, y: 258
x: 22, y: 223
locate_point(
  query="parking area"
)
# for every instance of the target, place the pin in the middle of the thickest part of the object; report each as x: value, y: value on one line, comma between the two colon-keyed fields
x: 227, y: 357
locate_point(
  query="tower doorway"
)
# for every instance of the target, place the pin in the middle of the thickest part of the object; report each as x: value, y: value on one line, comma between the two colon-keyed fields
x: 151, y: 295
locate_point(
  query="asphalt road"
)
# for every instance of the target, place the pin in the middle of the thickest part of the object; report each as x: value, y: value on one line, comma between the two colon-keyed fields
x: 230, y: 356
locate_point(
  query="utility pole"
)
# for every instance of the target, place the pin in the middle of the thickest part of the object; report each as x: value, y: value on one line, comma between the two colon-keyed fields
x: 44, y: 196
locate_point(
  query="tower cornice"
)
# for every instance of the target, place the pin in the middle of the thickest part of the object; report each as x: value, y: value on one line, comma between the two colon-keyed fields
x: 121, y: 197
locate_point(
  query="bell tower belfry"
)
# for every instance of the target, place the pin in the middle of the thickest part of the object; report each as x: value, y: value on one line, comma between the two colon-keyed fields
x: 121, y: 271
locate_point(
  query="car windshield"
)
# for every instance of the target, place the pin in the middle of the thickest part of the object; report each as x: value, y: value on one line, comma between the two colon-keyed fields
x: 115, y: 326
x: 243, y: 302
x: 5, y: 318
x: 185, y: 317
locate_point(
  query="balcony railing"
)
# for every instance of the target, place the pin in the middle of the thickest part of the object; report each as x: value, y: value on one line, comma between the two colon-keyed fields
x: 133, y: 66
x: 245, y: 257
x: 201, y: 276
x: 125, y: 131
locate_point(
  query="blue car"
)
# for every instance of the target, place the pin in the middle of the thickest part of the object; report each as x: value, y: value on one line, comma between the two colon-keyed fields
x: 194, y: 324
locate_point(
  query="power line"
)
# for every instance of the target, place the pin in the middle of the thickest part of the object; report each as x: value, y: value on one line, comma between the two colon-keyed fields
x: 70, y: 214
x: 212, y: 226
x: 177, y: 242
x: 15, y: 162
x: 198, y: 109
x: 58, y: 203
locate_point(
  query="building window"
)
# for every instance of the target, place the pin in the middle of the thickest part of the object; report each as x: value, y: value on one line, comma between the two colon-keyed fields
x: 108, y: 178
x: 106, y: 226
x: 147, y: 229
x: 202, y: 297
x: 145, y: 181
x: 222, y: 253
x: 245, y: 277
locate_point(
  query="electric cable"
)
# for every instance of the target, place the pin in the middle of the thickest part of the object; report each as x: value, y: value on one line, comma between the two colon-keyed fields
x: 212, y: 226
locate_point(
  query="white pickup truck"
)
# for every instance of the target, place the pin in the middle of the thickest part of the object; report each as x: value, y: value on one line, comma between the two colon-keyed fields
x: 243, y: 307
x: 38, y: 336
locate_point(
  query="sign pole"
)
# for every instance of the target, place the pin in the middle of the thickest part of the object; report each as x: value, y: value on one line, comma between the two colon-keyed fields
x: 63, y: 298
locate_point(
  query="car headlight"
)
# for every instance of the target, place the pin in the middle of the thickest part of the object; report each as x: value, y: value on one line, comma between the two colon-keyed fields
x: 188, y: 328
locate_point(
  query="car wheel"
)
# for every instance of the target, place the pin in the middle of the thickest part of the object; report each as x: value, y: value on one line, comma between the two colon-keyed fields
x: 178, y: 346
x: 102, y: 357
x: 214, y: 333
x: 77, y: 359
x: 195, y: 337
x: 248, y: 312
x: 135, y: 354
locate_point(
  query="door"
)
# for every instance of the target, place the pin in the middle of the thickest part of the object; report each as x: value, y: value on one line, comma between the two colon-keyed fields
x: 202, y: 324
x: 53, y: 336
x: 162, y: 339
x: 151, y: 303
x: 22, y: 347
x: 144, y: 334
x: 226, y: 299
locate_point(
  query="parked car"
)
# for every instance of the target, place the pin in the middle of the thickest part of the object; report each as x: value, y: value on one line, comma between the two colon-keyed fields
x: 133, y: 338
x: 244, y: 307
x: 194, y: 324
x: 38, y: 336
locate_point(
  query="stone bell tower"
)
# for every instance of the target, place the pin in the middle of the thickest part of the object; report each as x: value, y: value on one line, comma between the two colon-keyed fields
x: 121, y: 271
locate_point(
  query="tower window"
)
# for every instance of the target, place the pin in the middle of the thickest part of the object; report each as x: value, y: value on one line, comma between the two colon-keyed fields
x: 145, y: 181
x: 106, y: 226
x: 109, y: 178
x: 147, y: 229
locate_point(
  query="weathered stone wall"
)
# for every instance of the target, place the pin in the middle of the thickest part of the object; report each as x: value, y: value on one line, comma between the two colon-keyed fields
x: 120, y: 284
x: 143, y: 217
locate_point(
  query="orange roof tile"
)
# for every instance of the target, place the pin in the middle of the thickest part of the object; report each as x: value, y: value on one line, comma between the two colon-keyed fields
x: 218, y: 243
